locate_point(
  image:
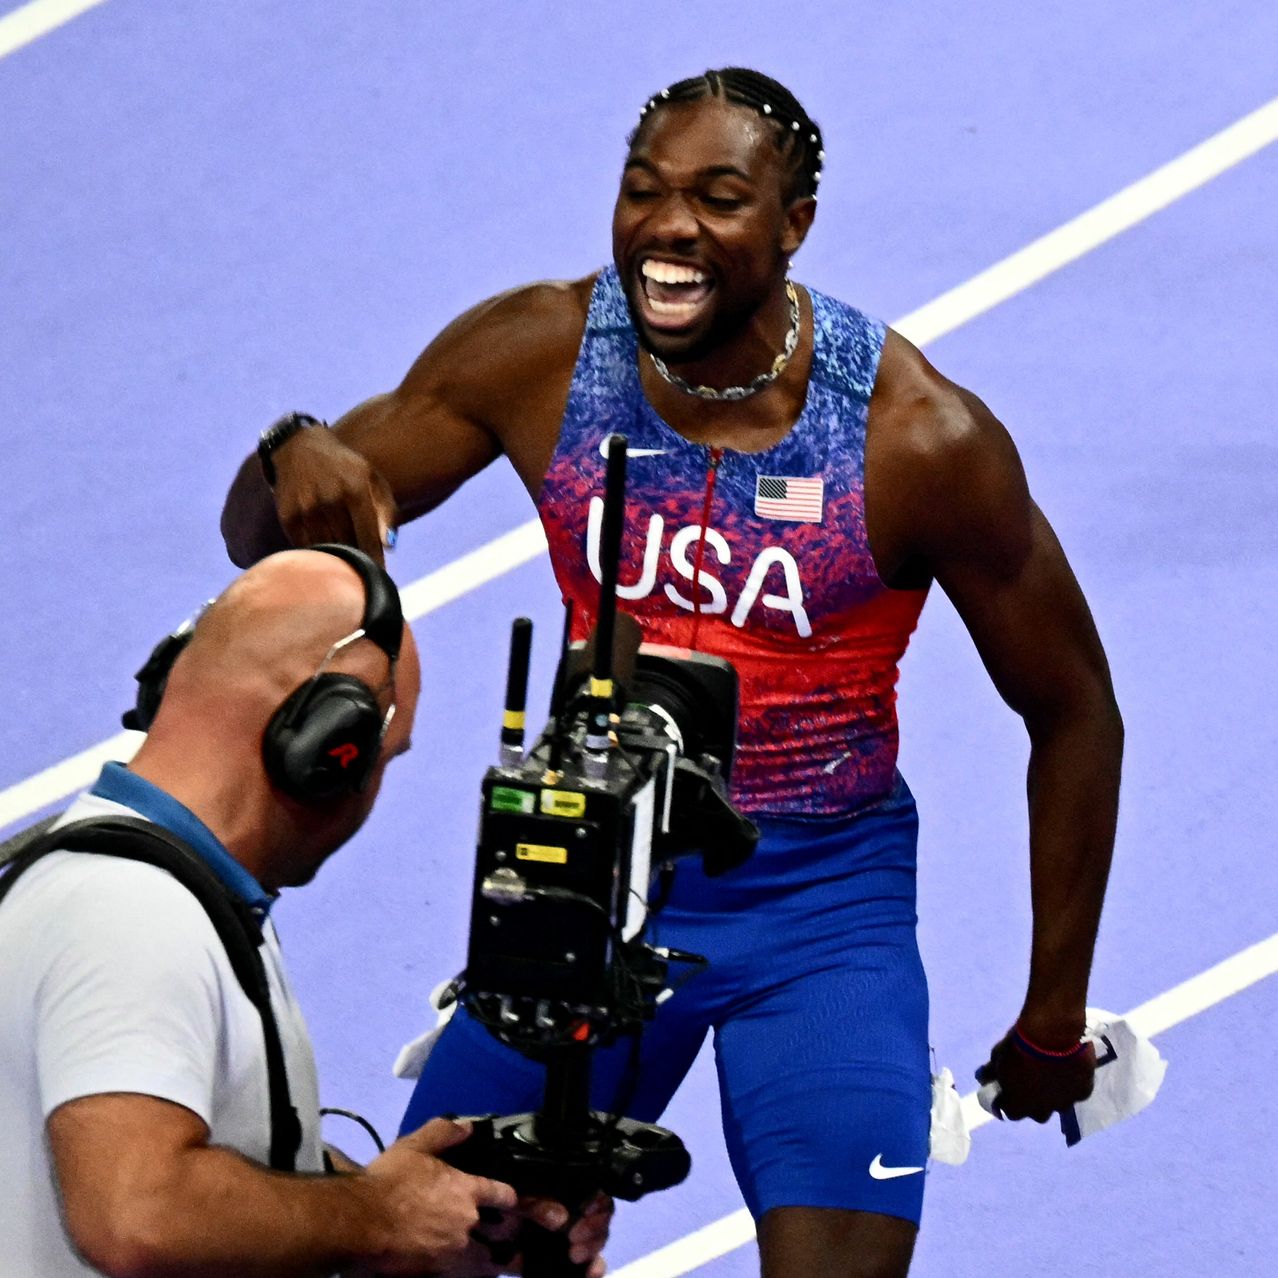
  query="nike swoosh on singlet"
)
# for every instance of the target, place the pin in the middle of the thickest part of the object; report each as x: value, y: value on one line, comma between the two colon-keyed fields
x: 879, y: 1172
x: 631, y: 452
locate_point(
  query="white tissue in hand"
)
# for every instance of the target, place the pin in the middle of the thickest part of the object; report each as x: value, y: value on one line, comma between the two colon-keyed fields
x: 950, y: 1141
x: 412, y: 1056
x: 1129, y: 1072
x: 987, y: 1095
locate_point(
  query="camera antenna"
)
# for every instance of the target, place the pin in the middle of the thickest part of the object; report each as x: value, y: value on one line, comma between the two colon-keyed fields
x: 598, y: 719
x: 557, y: 708
x: 513, y: 717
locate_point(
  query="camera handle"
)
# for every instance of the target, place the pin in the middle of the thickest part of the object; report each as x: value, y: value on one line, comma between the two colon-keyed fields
x: 567, y: 1152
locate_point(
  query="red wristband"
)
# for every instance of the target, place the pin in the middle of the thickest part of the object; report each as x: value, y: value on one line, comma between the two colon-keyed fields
x: 1033, y: 1050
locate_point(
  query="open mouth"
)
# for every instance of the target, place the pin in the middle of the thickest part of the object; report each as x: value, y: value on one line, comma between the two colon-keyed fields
x: 674, y: 293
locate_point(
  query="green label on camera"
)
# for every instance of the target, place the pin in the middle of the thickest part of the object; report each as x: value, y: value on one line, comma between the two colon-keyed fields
x: 505, y: 799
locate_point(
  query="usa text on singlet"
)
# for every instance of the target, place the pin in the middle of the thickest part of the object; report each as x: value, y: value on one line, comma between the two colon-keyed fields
x: 787, y: 591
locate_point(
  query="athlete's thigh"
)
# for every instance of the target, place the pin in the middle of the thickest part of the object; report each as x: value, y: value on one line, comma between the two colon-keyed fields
x: 470, y: 1072
x: 796, y: 1242
x: 824, y: 1077
x: 637, y: 1077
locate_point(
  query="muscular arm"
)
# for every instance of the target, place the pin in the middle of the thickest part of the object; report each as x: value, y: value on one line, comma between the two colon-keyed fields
x: 977, y: 531
x: 495, y: 380
x: 143, y: 1193
x: 1036, y: 637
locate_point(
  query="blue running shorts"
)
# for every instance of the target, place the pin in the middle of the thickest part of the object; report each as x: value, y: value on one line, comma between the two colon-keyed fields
x: 817, y: 999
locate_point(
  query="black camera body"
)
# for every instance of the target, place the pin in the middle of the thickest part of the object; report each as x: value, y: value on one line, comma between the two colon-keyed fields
x: 548, y: 843
x: 569, y: 838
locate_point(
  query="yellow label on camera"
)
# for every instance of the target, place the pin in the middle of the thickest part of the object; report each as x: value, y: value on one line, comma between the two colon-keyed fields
x: 563, y: 803
x: 539, y: 852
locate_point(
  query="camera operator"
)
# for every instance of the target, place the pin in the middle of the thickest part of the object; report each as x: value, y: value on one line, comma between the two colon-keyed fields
x: 133, y: 1082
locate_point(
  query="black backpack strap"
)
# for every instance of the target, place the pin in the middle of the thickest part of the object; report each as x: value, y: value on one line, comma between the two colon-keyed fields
x: 240, y: 933
x: 17, y: 843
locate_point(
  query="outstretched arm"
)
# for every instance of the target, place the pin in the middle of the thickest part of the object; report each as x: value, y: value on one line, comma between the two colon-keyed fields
x: 995, y: 555
x: 388, y: 460
x: 495, y: 380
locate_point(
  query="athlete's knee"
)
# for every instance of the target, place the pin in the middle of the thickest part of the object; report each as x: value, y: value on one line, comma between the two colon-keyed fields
x: 798, y: 1242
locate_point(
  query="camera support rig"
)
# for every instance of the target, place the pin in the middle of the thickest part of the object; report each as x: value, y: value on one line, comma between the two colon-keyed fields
x: 567, y: 1152
x: 556, y: 963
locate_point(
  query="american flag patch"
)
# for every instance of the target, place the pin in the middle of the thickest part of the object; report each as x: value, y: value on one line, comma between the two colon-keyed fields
x: 799, y: 500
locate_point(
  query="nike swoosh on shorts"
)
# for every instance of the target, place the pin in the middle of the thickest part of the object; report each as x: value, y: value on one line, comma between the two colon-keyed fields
x: 879, y: 1172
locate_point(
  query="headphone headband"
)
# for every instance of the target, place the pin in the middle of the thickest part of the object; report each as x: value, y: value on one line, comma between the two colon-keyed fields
x: 383, y: 620
x: 324, y: 740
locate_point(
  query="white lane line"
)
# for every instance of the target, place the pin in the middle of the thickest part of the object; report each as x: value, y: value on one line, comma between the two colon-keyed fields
x: 474, y: 569
x: 1197, y: 994
x: 1111, y: 217
x: 691, y: 1252
x: 71, y: 775
x: 501, y: 555
x: 30, y: 21
x: 943, y: 315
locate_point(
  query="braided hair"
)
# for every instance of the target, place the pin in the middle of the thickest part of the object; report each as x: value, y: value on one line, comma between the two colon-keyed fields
x: 798, y: 137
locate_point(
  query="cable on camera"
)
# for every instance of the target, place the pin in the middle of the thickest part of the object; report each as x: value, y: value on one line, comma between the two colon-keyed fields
x: 361, y: 1120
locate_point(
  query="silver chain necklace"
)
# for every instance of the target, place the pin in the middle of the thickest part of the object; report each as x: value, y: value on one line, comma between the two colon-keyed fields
x: 750, y: 388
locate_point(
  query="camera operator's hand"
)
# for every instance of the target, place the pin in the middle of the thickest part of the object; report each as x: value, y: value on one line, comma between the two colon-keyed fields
x: 1032, y: 1085
x: 430, y: 1208
x: 589, y: 1235
x: 586, y: 1237
x: 325, y: 491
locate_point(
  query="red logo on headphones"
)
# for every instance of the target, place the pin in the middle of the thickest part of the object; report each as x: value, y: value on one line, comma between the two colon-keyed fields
x: 345, y: 754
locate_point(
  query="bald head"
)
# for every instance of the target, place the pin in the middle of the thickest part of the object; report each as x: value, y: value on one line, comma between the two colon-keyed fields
x: 266, y: 635
x: 269, y: 631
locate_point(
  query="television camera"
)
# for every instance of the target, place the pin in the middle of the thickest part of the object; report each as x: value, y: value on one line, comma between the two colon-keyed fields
x: 630, y: 772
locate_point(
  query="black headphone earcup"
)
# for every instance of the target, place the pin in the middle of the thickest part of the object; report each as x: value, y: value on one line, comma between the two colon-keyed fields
x: 153, y: 678
x: 324, y: 740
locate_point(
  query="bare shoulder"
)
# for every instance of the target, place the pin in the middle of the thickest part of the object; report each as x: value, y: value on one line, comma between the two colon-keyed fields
x: 554, y: 306
x: 530, y: 330
x: 494, y: 381
x: 941, y: 469
x: 505, y: 367
x: 931, y: 420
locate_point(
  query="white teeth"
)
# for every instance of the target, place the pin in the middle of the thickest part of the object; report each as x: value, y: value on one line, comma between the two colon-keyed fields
x: 671, y: 272
x: 672, y: 308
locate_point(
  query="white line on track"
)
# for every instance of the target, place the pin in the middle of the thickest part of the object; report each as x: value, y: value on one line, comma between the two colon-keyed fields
x: 1178, y: 1004
x: 476, y: 568
x: 1111, y: 217
x: 30, y: 21
x: 1014, y: 274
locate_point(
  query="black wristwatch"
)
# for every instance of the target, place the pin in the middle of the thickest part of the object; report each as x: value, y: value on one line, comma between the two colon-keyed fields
x: 277, y: 434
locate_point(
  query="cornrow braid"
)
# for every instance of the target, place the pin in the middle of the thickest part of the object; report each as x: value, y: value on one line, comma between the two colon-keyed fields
x: 798, y: 136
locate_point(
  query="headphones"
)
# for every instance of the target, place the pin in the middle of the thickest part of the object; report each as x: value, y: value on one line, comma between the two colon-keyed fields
x: 324, y: 740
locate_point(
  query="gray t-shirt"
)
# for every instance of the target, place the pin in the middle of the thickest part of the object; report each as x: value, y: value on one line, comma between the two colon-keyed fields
x: 116, y: 981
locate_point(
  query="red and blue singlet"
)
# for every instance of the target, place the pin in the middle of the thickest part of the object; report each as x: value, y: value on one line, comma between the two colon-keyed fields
x: 787, y: 589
